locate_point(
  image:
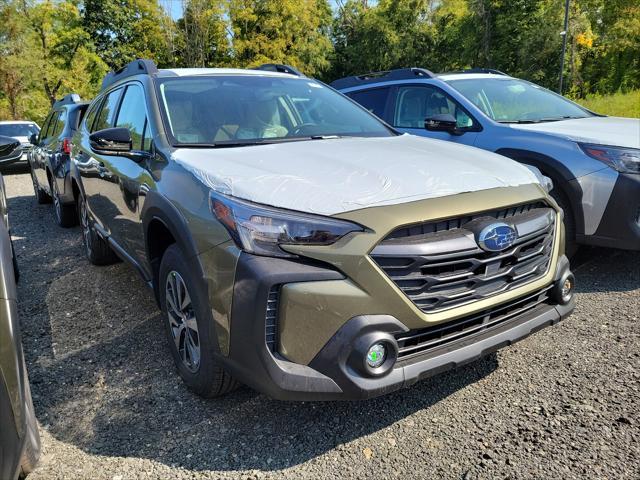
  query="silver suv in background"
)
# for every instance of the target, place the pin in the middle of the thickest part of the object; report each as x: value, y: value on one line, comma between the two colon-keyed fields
x: 23, y: 131
x: 593, y: 160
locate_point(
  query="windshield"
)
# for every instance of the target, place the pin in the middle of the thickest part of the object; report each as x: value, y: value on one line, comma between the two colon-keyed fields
x: 18, y: 129
x: 249, y: 109
x: 508, y: 100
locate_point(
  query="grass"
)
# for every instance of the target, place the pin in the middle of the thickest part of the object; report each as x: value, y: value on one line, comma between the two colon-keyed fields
x: 617, y: 105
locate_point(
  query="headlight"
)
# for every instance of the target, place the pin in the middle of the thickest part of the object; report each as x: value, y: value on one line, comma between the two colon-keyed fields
x: 624, y: 160
x: 261, y: 230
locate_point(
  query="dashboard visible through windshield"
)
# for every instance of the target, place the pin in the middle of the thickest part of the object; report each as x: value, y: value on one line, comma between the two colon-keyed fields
x: 244, y: 110
x: 509, y: 100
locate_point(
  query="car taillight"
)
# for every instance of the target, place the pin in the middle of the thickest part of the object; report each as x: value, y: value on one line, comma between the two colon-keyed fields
x: 66, y: 146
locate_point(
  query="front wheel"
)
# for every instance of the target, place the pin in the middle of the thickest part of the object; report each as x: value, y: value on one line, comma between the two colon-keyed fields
x: 96, y: 248
x: 65, y: 215
x: 41, y: 195
x: 189, y: 328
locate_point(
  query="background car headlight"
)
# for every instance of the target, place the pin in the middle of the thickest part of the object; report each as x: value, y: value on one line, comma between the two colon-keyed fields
x: 261, y: 229
x: 624, y: 160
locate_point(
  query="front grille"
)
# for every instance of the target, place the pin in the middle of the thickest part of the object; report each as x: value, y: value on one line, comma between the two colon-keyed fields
x: 439, y: 265
x: 419, y: 342
x: 458, y: 222
x: 271, y: 318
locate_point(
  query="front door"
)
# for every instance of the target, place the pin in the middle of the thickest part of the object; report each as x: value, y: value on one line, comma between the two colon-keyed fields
x: 415, y: 103
x: 91, y: 165
x: 123, y: 176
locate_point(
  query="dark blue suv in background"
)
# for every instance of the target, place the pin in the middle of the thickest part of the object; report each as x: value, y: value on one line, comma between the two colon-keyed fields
x: 593, y: 160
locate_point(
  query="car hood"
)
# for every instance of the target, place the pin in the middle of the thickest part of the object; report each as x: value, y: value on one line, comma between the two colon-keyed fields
x: 616, y: 131
x: 333, y: 176
x: 22, y: 140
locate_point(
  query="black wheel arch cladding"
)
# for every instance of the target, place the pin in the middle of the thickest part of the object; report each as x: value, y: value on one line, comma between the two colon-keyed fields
x: 560, y: 175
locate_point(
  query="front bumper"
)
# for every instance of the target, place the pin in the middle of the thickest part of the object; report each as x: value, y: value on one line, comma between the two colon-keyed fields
x: 331, y: 374
x: 620, y: 223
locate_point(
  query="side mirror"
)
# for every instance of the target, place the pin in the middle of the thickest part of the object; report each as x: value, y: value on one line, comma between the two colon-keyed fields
x: 111, y: 141
x: 444, y: 122
x: 33, y: 139
x: 10, y: 150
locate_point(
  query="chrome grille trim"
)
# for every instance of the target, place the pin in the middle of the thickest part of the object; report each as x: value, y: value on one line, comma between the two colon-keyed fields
x: 446, y: 269
x: 271, y: 318
x: 420, y: 342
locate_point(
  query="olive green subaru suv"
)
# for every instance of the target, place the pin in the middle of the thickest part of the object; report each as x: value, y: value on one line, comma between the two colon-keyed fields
x: 299, y: 245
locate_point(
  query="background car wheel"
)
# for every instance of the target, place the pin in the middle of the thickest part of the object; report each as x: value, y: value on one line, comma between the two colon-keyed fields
x: 65, y: 215
x: 570, y: 247
x: 32, y: 447
x: 96, y: 248
x: 41, y: 195
x: 190, y: 328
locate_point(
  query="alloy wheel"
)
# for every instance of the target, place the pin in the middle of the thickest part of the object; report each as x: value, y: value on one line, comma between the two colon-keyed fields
x: 36, y: 190
x: 85, y: 226
x: 56, y: 200
x: 182, y: 321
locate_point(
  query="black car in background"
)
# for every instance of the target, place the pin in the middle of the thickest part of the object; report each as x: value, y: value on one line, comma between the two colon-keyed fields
x: 19, y: 438
x: 49, y: 159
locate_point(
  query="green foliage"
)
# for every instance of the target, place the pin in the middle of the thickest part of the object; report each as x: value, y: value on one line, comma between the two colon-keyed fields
x: 617, y: 104
x: 51, y: 47
x: 281, y: 31
x: 123, y: 30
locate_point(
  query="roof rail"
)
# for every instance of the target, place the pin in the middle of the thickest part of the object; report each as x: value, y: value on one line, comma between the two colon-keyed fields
x: 137, y: 67
x: 482, y: 70
x: 68, y: 99
x: 279, y: 67
x: 373, y: 77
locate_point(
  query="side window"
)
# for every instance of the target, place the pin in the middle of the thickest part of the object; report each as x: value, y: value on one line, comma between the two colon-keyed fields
x: 416, y: 103
x: 45, y: 127
x: 146, y: 138
x: 373, y: 100
x: 108, y: 112
x: 57, y: 124
x: 91, y: 114
x: 132, y: 115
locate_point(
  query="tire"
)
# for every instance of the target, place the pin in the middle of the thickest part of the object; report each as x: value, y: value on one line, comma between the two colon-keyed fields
x: 570, y: 246
x: 192, y: 343
x: 65, y: 215
x: 32, y: 447
x: 96, y: 248
x: 41, y: 195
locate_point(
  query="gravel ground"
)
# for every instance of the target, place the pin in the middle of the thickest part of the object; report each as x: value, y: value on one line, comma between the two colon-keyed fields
x: 564, y: 403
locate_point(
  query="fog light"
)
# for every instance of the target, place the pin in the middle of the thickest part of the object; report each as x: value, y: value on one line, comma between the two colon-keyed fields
x: 564, y: 288
x: 376, y: 355
x: 567, y: 287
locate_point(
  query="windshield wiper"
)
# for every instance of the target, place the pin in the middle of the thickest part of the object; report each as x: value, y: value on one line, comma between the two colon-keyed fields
x: 260, y: 141
x: 541, y: 120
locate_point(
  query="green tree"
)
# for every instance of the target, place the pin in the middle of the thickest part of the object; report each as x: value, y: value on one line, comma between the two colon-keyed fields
x: 123, y: 30
x: 294, y: 32
x: 203, y: 33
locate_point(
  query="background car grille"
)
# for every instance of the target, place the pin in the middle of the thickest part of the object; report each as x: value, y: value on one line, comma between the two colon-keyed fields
x: 421, y: 341
x: 271, y: 318
x: 439, y: 265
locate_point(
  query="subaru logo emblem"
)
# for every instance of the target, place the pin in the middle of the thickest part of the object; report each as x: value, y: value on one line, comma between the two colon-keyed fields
x: 496, y: 237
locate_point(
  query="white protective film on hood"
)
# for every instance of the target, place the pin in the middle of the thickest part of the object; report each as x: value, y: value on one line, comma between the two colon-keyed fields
x: 333, y: 176
x: 616, y: 131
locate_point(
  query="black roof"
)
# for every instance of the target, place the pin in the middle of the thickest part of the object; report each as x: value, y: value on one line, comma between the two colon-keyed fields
x: 279, y: 67
x: 70, y: 99
x: 136, y: 67
x: 374, y: 77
